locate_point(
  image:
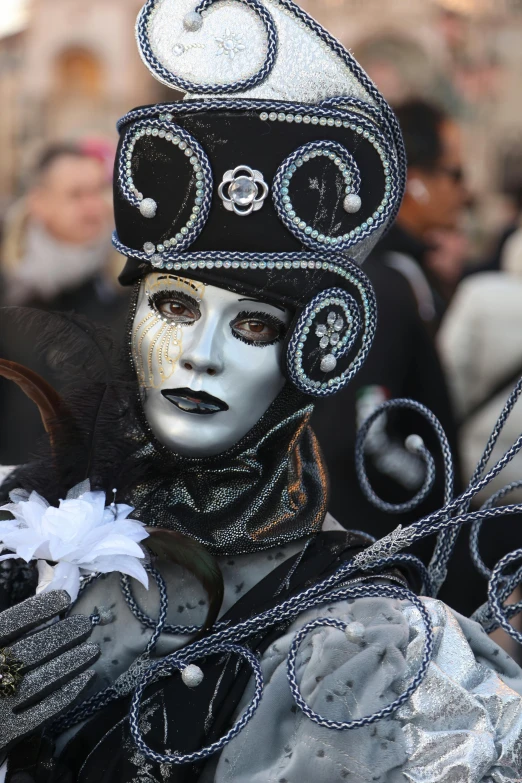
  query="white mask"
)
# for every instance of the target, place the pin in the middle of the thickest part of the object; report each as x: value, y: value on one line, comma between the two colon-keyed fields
x: 208, y: 362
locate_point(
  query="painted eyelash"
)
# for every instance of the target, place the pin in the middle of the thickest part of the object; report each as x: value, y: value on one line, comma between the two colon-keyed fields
x: 168, y: 295
x: 268, y: 318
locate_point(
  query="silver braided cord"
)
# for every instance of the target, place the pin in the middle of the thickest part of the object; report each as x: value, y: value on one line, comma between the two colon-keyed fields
x: 476, y: 526
x: 385, y: 712
x: 446, y: 539
x: 100, y: 700
x: 169, y: 78
x: 285, y: 612
x: 178, y: 663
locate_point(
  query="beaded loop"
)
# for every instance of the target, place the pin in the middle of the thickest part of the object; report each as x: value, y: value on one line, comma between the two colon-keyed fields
x: 173, y: 134
x: 179, y: 663
x: 169, y: 78
x: 335, y: 337
x: 342, y: 626
x: 349, y: 170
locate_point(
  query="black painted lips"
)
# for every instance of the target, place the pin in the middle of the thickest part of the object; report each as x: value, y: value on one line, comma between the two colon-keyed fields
x: 190, y: 401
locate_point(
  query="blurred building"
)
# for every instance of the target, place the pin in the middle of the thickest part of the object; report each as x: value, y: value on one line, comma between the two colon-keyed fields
x: 464, y: 54
x: 71, y: 71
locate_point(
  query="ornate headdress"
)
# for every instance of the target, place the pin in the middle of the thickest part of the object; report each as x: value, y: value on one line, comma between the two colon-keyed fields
x: 277, y: 173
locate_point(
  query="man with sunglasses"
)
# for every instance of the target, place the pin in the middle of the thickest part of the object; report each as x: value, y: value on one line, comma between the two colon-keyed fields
x: 425, y: 245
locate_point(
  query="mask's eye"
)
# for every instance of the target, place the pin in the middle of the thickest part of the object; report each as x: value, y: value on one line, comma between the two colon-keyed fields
x: 175, y: 306
x: 257, y: 328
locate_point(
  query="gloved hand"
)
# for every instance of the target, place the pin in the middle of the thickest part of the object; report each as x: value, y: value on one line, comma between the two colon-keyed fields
x: 51, y: 662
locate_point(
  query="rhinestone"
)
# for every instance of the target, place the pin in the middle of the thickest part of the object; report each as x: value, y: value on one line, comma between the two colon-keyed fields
x: 324, y: 342
x: 272, y: 116
x: 242, y: 191
x: 263, y: 115
x: 156, y: 260
x: 331, y: 318
x: 149, y: 248
x: 354, y: 632
x: 338, y: 325
x: 334, y: 339
x: 183, y: 145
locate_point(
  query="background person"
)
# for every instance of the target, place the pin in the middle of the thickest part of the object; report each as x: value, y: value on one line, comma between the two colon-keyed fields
x: 56, y: 255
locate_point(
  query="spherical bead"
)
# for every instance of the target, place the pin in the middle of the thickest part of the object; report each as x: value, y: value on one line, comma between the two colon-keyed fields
x: 352, y: 203
x: 328, y: 363
x: 192, y: 21
x: 414, y: 444
x: 354, y: 632
x: 148, y: 207
x: 192, y: 676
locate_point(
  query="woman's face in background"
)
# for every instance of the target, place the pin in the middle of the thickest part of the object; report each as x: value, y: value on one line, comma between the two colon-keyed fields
x: 208, y: 362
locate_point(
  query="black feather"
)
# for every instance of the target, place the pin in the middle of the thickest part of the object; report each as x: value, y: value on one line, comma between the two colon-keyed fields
x: 98, y: 389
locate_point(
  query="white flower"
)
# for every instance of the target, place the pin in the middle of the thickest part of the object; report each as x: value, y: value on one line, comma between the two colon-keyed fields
x: 82, y: 536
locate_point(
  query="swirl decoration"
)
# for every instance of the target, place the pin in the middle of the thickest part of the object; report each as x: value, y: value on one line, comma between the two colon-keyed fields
x: 385, y: 712
x: 192, y: 22
x: 334, y: 339
x: 414, y: 444
x: 340, y: 157
x: 183, y: 141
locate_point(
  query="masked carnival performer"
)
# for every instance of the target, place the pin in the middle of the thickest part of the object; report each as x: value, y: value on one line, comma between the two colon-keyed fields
x: 265, y: 642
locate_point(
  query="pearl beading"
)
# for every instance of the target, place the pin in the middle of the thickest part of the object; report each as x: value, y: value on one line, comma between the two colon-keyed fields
x: 333, y: 300
x: 179, y: 138
x: 362, y: 125
x: 346, y: 164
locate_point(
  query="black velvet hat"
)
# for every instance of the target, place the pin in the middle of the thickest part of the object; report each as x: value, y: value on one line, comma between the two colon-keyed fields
x: 280, y: 186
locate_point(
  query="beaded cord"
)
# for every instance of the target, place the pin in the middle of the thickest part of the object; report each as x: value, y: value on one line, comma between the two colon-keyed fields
x: 178, y: 137
x: 342, y: 626
x: 91, y: 706
x: 169, y: 78
x: 289, y: 112
x: 178, y: 663
x: 328, y: 591
x: 340, y: 156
